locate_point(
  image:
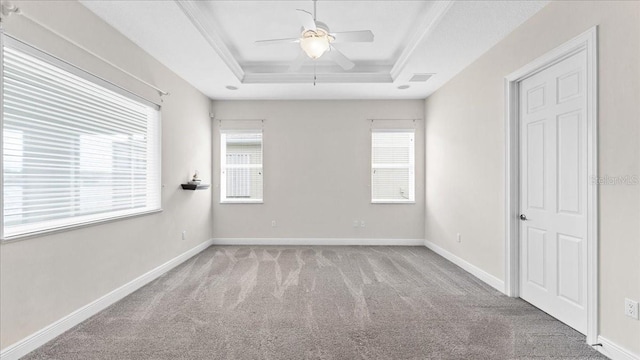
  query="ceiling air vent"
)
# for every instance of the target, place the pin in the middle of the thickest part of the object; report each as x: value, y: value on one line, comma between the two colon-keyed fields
x: 420, y: 77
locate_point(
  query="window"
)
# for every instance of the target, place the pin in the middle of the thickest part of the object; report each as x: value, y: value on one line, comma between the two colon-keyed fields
x: 241, y: 166
x: 75, y: 150
x: 392, y: 166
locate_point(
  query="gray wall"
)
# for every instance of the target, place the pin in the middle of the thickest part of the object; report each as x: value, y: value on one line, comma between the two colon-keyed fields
x: 465, y: 150
x: 45, y: 278
x: 317, y: 157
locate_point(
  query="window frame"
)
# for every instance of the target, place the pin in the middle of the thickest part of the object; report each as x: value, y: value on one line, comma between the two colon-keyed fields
x: 411, y: 166
x: 84, y: 220
x: 223, y: 166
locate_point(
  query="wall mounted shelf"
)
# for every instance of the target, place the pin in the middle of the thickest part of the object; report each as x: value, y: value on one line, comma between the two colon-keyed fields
x: 194, y: 186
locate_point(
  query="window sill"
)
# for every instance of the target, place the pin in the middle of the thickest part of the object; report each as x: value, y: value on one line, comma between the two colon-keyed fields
x: 242, y: 202
x: 393, y: 202
x: 71, y: 227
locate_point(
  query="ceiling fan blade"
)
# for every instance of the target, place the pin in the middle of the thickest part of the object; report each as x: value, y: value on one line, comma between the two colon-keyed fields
x: 298, y: 62
x: 306, y: 19
x: 353, y: 36
x: 340, y: 59
x: 277, y: 41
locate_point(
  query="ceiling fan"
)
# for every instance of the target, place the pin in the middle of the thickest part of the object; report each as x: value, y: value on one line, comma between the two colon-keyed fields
x: 316, y: 40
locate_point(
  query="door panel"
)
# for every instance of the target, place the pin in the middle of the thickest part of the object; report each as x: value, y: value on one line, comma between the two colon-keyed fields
x: 569, y: 264
x: 535, y: 98
x: 535, y: 164
x: 569, y: 133
x: 553, y: 186
x: 536, y: 254
x: 568, y: 86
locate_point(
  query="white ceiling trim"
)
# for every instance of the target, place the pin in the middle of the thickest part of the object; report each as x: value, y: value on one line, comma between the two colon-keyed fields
x: 194, y: 15
x: 185, y: 36
x: 292, y: 78
x: 431, y: 19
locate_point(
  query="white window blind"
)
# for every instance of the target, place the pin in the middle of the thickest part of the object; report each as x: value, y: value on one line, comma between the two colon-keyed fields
x: 392, y: 166
x: 241, y: 166
x: 74, y: 151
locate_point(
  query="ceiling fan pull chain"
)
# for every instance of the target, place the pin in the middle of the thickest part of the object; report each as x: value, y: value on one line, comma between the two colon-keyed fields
x: 314, y: 70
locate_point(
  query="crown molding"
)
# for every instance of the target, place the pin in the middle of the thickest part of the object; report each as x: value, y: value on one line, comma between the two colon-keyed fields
x: 294, y: 78
x: 431, y: 18
x: 309, y: 67
x: 195, y: 15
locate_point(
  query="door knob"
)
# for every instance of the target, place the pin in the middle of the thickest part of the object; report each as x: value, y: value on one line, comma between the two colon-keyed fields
x: 523, y: 217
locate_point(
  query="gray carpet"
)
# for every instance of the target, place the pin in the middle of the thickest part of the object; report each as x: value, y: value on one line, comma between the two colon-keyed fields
x: 261, y: 302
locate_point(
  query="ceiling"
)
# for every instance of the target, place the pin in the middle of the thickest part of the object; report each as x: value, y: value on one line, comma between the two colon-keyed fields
x: 211, y: 43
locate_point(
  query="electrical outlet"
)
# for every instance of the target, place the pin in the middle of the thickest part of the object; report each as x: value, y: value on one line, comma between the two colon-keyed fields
x: 361, y: 223
x: 458, y: 237
x: 355, y: 223
x: 631, y: 308
x: 184, y: 234
x: 273, y: 223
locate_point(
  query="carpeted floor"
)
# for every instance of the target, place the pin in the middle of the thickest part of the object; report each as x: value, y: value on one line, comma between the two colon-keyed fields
x: 262, y: 302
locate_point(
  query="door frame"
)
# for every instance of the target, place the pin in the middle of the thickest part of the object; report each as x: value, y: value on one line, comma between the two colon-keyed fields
x: 586, y: 41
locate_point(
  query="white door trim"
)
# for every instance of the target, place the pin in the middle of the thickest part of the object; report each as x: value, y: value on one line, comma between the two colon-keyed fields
x: 586, y: 41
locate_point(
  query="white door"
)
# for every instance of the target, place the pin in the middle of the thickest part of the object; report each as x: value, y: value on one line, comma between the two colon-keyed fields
x: 553, y: 191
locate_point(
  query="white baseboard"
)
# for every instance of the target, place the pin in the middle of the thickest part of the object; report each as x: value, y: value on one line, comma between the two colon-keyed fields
x: 614, y: 351
x: 42, y: 336
x: 318, y: 241
x: 470, y: 268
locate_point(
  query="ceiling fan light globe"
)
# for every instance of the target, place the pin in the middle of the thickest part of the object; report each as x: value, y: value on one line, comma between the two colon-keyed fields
x: 314, y: 46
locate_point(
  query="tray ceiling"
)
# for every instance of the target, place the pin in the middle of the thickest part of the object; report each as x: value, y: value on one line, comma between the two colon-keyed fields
x: 211, y: 43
